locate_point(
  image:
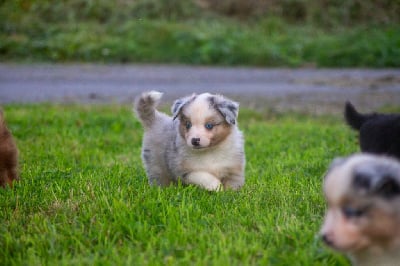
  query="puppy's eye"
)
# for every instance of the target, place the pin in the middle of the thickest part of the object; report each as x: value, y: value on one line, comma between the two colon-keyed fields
x: 209, y: 126
x: 188, y: 124
x: 351, y: 212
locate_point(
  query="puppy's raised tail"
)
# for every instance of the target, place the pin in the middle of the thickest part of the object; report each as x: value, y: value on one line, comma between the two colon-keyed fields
x: 145, y: 107
x: 354, y: 118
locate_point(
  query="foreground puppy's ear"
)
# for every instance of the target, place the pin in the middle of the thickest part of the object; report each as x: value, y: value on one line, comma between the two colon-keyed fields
x: 179, y: 104
x: 379, y: 183
x: 388, y: 187
x: 228, y: 108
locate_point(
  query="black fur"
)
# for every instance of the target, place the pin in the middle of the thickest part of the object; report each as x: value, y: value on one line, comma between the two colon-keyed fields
x: 388, y: 187
x: 377, y: 182
x: 379, y: 133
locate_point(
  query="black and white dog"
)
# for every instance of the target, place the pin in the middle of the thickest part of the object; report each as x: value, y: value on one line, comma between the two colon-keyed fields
x: 379, y: 133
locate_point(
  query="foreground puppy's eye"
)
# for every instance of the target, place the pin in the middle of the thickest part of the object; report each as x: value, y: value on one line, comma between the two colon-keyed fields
x: 188, y: 125
x: 351, y: 212
x: 209, y: 126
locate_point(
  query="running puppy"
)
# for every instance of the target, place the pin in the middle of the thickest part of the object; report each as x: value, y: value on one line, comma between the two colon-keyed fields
x: 379, y: 133
x: 200, y: 144
x: 8, y: 155
x: 363, y: 215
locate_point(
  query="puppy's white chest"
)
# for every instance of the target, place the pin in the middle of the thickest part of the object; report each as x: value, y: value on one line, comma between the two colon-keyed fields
x: 217, y: 163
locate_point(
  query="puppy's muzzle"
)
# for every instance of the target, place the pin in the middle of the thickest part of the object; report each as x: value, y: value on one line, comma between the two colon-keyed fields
x: 327, y: 240
x: 196, y: 142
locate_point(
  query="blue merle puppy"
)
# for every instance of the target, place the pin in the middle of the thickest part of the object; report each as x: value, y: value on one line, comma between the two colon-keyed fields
x: 199, y: 144
x: 363, y: 213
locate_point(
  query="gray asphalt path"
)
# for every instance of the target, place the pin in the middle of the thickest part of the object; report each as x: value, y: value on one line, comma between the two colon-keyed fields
x: 315, y: 90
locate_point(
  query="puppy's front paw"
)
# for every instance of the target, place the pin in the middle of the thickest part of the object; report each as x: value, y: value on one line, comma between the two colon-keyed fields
x: 204, y: 180
x: 214, y: 185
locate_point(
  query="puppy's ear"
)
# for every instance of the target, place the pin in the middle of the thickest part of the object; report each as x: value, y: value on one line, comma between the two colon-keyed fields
x: 380, y: 183
x: 179, y: 104
x: 388, y: 187
x: 228, y: 108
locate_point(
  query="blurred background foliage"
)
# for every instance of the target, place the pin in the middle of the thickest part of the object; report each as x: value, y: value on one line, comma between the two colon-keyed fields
x: 339, y: 33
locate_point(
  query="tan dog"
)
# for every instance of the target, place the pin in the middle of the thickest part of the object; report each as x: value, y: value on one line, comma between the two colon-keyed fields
x: 200, y: 144
x: 363, y: 215
x: 8, y: 155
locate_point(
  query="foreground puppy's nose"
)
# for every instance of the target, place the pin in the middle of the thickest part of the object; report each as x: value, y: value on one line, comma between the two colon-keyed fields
x: 327, y: 240
x: 196, y: 141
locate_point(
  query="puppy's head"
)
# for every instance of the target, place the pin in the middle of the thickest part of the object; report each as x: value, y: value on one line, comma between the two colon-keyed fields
x: 205, y: 120
x: 363, y: 196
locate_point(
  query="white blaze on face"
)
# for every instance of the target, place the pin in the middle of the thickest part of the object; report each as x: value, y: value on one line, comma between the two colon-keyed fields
x: 335, y: 185
x: 199, y: 112
x: 337, y: 182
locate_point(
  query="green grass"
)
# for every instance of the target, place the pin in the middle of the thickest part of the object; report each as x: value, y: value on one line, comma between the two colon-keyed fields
x: 83, y: 198
x: 213, y: 42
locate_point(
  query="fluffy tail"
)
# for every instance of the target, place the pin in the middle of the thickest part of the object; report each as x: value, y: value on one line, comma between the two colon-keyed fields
x: 354, y: 118
x: 145, y: 107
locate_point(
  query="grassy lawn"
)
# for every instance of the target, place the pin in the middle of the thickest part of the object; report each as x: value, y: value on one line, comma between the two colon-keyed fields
x: 84, y: 198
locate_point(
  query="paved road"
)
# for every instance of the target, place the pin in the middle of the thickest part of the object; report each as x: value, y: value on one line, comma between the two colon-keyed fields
x: 313, y: 90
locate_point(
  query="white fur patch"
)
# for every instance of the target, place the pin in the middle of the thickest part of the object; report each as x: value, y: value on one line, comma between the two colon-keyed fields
x: 155, y: 95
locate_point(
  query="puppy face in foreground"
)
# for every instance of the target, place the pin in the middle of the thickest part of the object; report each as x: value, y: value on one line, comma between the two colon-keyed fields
x: 363, y: 197
x: 205, y: 119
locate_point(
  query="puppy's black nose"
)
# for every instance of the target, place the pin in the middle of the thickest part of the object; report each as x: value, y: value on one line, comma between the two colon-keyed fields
x: 327, y: 240
x: 196, y: 141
